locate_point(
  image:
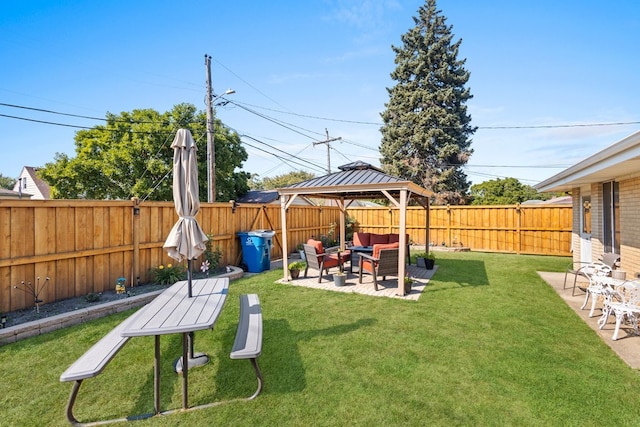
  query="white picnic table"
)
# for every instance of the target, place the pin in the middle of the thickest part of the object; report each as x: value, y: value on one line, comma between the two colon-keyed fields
x: 173, y: 312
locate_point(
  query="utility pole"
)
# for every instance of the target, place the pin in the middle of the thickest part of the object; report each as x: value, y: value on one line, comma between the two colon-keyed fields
x: 211, y: 149
x: 328, y: 141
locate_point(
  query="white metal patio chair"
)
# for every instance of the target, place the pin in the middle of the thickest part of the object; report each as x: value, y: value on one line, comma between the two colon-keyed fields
x: 596, y: 272
x: 585, y: 269
x: 625, y: 306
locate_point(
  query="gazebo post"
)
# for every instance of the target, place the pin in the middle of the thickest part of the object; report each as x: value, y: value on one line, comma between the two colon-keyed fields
x: 343, y: 213
x: 402, y: 250
x: 285, y: 251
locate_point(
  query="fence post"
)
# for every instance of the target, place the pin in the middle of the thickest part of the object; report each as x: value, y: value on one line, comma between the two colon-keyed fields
x: 448, y: 225
x: 518, y: 229
x: 135, y: 229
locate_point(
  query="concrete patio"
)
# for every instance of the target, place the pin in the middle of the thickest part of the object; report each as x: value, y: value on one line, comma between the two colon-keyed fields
x: 627, y: 346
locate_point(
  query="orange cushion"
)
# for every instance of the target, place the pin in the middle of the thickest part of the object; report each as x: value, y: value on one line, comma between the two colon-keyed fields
x: 379, y: 247
x: 317, y: 244
x: 361, y: 239
x: 344, y: 256
x: 330, y: 262
x: 377, y: 239
x: 367, y: 265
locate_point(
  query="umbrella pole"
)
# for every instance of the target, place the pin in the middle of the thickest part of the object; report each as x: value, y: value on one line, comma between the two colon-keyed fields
x: 189, y: 286
x: 189, y: 278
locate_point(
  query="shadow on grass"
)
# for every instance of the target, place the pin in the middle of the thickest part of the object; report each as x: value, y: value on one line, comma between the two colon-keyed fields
x: 281, y: 363
x: 457, y: 274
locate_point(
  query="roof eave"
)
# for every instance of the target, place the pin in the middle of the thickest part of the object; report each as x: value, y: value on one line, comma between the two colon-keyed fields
x: 619, y: 159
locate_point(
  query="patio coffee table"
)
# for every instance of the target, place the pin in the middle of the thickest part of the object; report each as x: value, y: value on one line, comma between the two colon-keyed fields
x: 354, y: 255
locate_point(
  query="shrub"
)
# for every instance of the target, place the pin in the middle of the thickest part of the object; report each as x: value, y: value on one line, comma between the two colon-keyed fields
x: 168, y: 275
x: 212, y: 255
x: 92, y: 297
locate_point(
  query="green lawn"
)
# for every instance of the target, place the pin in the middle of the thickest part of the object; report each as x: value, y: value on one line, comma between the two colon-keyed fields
x: 488, y: 343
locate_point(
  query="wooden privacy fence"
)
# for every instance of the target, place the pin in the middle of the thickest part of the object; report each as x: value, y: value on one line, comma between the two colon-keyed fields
x: 521, y: 229
x: 84, y: 246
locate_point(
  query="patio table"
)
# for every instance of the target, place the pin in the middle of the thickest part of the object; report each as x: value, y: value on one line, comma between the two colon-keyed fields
x: 173, y: 311
x: 354, y: 255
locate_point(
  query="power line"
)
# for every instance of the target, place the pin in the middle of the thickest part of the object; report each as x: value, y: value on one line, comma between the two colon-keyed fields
x: 45, y: 122
x: 311, y: 164
x: 285, y: 125
x: 449, y: 127
x: 51, y: 111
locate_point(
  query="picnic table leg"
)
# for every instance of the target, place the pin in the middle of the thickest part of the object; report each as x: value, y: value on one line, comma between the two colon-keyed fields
x: 185, y: 369
x: 156, y: 376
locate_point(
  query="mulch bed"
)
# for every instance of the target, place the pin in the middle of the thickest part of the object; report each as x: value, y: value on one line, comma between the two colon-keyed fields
x: 64, y: 306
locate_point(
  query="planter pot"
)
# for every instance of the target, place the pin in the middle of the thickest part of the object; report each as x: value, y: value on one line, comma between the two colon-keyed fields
x: 407, y: 287
x: 425, y: 263
x: 302, y: 255
x: 339, y: 279
x: 294, y: 273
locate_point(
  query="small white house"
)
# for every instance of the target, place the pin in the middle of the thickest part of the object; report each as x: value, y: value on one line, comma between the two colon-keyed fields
x: 30, y: 186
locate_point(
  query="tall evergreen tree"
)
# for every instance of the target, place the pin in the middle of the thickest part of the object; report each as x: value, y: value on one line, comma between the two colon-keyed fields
x: 426, y: 129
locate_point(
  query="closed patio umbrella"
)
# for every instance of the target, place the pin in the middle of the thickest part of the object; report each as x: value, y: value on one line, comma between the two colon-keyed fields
x: 186, y: 239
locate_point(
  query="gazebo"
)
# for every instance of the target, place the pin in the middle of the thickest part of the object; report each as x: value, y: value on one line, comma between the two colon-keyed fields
x: 358, y: 180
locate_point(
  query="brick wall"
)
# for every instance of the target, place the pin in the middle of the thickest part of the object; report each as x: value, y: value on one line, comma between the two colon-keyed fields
x: 629, y: 230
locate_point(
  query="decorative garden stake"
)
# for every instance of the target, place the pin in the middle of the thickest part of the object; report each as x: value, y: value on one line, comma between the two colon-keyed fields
x: 205, y: 267
x: 33, y: 291
x: 120, y: 285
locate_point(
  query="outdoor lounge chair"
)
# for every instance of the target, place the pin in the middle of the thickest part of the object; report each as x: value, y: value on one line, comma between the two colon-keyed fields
x: 381, y: 263
x: 321, y: 260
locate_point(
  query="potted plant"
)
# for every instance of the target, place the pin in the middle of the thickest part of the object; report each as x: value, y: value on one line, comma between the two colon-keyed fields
x: 295, y: 267
x: 339, y: 278
x: 426, y: 260
x: 408, y: 282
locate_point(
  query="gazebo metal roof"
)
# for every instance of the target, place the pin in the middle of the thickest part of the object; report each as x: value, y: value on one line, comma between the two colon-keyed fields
x: 357, y: 180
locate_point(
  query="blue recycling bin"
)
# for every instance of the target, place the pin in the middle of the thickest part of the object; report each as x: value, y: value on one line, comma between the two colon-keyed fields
x: 256, y: 249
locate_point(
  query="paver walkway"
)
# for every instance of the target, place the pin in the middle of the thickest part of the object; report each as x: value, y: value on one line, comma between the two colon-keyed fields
x: 387, y: 288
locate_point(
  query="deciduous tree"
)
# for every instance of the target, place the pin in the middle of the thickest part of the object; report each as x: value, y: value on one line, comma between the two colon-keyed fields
x: 130, y: 156
x: 6, y: 182
x: 279, y: 181
x: 507, y: 191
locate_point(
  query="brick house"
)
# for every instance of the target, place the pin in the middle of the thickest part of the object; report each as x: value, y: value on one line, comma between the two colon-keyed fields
x: 605, y: 191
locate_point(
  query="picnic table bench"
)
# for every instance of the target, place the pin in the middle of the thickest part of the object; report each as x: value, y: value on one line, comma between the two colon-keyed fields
x: 248, y: 342
x: 91, y: 364
x: 247, y: 345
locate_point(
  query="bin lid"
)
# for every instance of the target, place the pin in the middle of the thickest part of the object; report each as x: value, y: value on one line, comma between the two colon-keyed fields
x: 262, y: 233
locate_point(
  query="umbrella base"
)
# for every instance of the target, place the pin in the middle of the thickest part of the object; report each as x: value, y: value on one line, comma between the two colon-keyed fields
x: 198, y: 359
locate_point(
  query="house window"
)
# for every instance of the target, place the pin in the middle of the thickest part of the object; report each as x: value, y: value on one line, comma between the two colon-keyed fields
x: 611, y: 216
x: 24, y: 182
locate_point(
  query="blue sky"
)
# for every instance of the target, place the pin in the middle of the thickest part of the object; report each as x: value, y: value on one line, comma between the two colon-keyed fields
x: 321, y: 64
